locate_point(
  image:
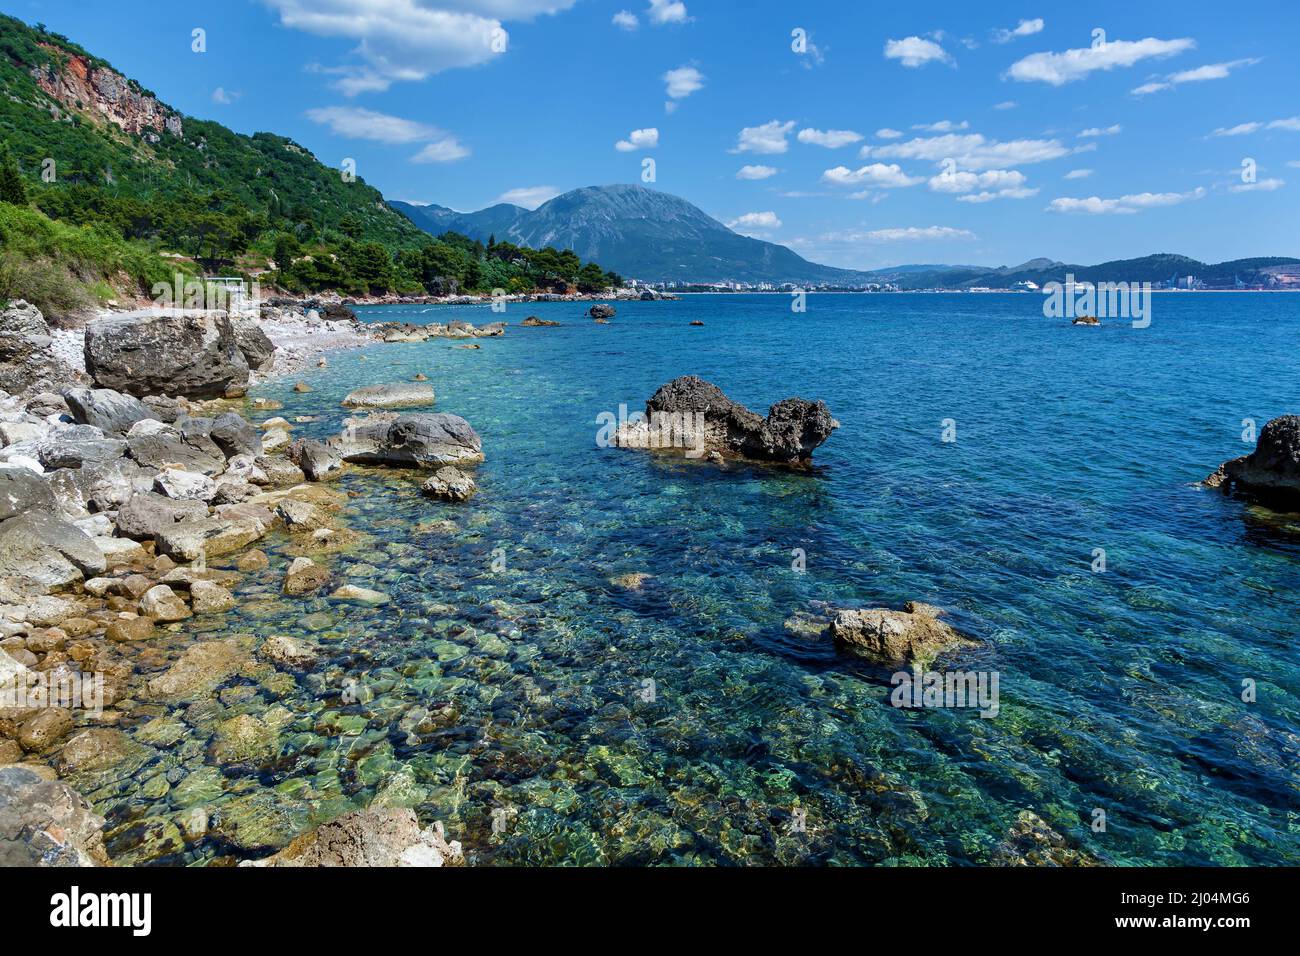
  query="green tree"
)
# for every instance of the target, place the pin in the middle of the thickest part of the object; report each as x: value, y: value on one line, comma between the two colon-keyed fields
x: 12, y: 189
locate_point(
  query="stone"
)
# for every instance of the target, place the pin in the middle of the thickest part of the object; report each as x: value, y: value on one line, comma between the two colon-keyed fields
x: 317, y: 460
x: 602, y: 311
x: 102, y: 748
x: 414, y: 440
x: 234, y: 435
x: 449, y: 484
x: 284, y: 651
x: 375, y: 837
x: 276, y: 472
x: 302, y: 387
x: 244, y: 739
x: 396, y: 395
x: 44, y: 550
x: 254, y: 344
x: 1272, y: 471
x: 359, y: 595
x: 46, y: 728
x: 301, y: 517
x: 693, y: 415
x: 188, y: 485
x: 214, y: 536
x: 634, y: 581
x: 108, y: 410
x: 44, y: 822
x: 275, y: 438
x: 28, y: 362
x: 22, y: 490
x: 201, y: 669
x: 210, y: 598
x: 253, y: 560
x: 147, y: 514
x: 189, y: 354
x: 161, y: 603
x: 896, y: 638
x: 533, y: 322
x: 304, y: 576
x: 129, y: 629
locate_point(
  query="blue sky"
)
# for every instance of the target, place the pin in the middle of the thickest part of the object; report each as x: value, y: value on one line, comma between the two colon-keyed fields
x: 939, y: 132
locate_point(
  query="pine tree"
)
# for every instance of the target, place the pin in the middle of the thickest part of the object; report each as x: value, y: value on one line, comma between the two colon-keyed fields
x: 12, y: 189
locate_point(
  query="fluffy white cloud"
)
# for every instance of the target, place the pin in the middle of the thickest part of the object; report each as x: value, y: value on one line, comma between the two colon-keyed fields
x: 1025, y: 28
x: 1006, y: 105
x: 966, y: 182
x: 1263, y: 186
x: 625, y: 20
x: 683, y: 81
x: 917, y: 234
x: 971, y: 151
x: 877, y: 174
x: 403, y: 40
x: 1124, y: 205
x: 770, y: 138
x: 1098, y: 131
x: 1070, y: 65
x: 756, y: 172
x: 888, y: 133
x: 1211, y: 71
x: 943, y: 126
x: 915, y: 52
x: 445, y: 150
x: 357, y: 123
x: 667, y: 11
x: 1078, y: 174
x: 1241, y: 129
x: 639, y: 139
x: 830, y: 138
x: 530, y: 197
x: 1291, y: 125
x: 225, y: 97
x: 755, y: 222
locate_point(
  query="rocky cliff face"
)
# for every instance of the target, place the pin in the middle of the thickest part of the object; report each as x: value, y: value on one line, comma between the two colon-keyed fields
x: 105, y: 94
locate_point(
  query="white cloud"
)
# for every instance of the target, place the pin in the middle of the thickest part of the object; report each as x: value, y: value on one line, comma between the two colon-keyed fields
x: 915, y: 52
x: 1211, y: 71
x: 916, y: 234
x: 943, y: 126
x: 407, y: 40
x: 966, y: 182
x: 625, y: 20
x: 1263, y: 185
x: 683, y: 81
x: 971, y: 151
x: 639, y: 139
x: 1098, y: 131
x: 530, y: 197
x: 357, y: 123
x: 1025, y: 28
x: 445, y: 150
x: 1125, y: 205
x: 1070, y: 65
x: 755, y: 222
x: 1078, y: 174
x: 770, y: 138
x: 756, y: 172
x: 1292, y: 124
x: 225, y: 97
x: 1006, y: 105
x: 1294, y: 164
x: 877, y: 174
x: 667, y: 11
x: 830, y: 138
x: 1023, y: 192
x: 888, y: 133
x: 1241, y: 129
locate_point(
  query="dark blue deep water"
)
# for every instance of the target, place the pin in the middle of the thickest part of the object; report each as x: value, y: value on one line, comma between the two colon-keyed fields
x: 1120, y: 691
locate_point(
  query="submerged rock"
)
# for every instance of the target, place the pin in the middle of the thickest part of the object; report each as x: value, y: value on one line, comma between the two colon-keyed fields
x: 695, y: 416
x: 913, y: 635
x: 44, y: 822
x: 396, y: 395
x: 304, y: 576
x: 1272, y: 470
x: 373, y: 837
x: 533, y: 322
x: 450, y: 484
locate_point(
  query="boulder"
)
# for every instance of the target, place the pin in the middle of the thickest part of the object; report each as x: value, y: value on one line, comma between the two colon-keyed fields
x: 44, y: 822
x: 22, y: 489
x: 301, y: 516
x: 413, y: 440
x: 45, y: 550
x: 28, y: 362
x: 284, y: 651
x: 258, y: 350
x: 602, y: 311
x: 201, y: 669
x: 396, y: 395
x: 896, y: 638
x: 449, y: 484
x: 211, y: 537
x: 77, y: 446
x: 533, y: 322
x: 146, y: 514
x: 189, y: 485
x: 375, y: 837
x: 235, y: 435
x: 192, y: 355
x: 304, y: 576
x: 161, y: 603
x: 1272, y: 470
x: 359, y: 595
x: 110, y: 411
x: 168, y: 448
x: 674, y: 415
x: 317, y: 460
x: 275, y: 472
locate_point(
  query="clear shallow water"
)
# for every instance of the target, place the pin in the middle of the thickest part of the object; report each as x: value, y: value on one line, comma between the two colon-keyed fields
x: 1119, y: 691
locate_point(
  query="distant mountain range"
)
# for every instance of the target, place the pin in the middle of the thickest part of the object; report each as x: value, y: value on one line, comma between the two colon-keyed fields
x: 640, y: 233
x: 656, y: 237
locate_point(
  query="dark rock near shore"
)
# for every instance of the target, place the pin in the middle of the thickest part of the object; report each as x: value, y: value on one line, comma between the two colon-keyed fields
x: 1272, y: 470
x: 234, y: 435
x: 194, y: 355
x: 108, y: 410
x: 27, y: 359
x: 533, y: 322
x: 416, y: 440
x: 793, y: 429
x: 602, y: 311
x: 254, y: 345
x: 22, y: 489
x: 316, y: 459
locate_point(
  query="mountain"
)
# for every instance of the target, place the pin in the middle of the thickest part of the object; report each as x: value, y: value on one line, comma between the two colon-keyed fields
x: 1157, y: 269
x: 114, y: 143
x: 640, y: 233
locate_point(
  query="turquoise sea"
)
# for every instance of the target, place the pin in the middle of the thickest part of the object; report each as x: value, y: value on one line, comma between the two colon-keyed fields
x: 574, y: 721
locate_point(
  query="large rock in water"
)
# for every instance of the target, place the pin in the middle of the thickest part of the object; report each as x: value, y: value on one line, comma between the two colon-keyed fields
x: 374, y: 837
x: 27, y: 359
x: 1272, y: 470
x: 674, y: 415
x: 416, y: 440
x: 912, y: 635
x: 44, y: 822
x: 397, y: 395
x: 196, y: 355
